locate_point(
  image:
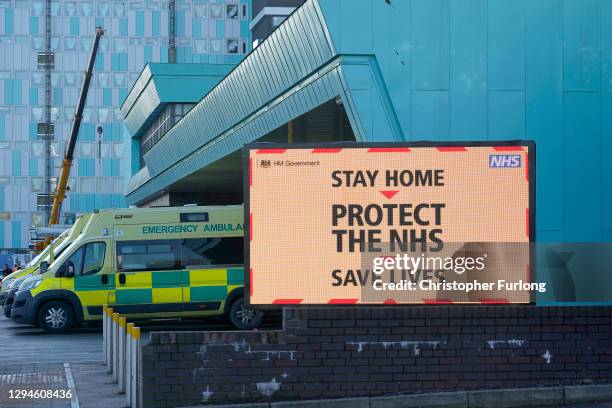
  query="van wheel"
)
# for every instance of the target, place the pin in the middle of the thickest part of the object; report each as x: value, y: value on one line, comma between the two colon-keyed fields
x: 55, y: 316
x: 244, y: 317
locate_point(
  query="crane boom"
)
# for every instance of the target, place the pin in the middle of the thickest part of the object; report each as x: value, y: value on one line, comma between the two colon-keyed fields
x: 60, y: 191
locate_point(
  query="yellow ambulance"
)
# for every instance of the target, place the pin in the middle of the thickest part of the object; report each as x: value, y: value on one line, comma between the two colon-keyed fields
x: 58, y: 245
x: 145, y: 263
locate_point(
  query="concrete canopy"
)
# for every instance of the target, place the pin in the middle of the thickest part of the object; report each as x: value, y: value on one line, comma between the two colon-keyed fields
x: 161, y: 84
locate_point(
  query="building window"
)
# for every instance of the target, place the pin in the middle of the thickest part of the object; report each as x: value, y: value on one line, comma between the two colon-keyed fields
x: 199, y: 10
x: 232, y: 46
x: 232, y: 11
x: 70, y: 8
x: 216, y: 46
x: 216, y: 11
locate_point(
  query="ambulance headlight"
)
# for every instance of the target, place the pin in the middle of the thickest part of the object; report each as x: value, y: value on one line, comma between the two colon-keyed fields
x: 30, y: 284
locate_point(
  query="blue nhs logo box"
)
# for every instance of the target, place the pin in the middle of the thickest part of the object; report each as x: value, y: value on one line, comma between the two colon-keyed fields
x: 504, y: 160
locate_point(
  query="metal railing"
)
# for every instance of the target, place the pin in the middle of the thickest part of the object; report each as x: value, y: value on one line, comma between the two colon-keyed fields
x: 122, y: 354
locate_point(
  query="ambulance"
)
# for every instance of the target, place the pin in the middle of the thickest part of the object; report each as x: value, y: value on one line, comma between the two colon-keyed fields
x: 58, y: 245
x: 144, y: 263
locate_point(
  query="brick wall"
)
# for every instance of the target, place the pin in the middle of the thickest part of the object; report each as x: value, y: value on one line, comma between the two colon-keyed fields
x: 328, y: 353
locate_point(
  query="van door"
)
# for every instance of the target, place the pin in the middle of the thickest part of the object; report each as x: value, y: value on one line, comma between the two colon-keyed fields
x: 92, y: 280
x: 215, y: 268
x: 149, y: 278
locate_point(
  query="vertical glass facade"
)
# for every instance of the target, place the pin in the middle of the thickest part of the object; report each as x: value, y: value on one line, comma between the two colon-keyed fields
x: 207, y: 31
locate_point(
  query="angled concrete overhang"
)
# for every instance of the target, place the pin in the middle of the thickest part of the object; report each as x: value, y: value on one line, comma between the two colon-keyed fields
x: 161, y: 84
x: 304, y: 63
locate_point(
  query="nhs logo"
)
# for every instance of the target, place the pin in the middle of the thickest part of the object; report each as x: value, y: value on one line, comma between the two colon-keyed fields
x: 504, y: 160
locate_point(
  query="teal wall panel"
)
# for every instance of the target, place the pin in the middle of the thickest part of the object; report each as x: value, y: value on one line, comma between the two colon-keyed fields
x: 74, y: 26
x: 140, y: 22
x: 430, y: 36
x: 86, y: 167
x: 16, y: 234
x: 33, y: 167
x: 16, y: 162
x: 468, y: 69
x: 506, y: 115
x: 34, y: 25
x: 544, y: 108
x: 506, y: 45
x: 123, y: 26
x: 581, y: 48
x: 155, y: 23
x: 8, y: 23
x: 606, y: 164
x: 430, y: 115
x: 582, y: 167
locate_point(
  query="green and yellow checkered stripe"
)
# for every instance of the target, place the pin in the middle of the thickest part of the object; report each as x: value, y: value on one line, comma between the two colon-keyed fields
x: 196, y: 285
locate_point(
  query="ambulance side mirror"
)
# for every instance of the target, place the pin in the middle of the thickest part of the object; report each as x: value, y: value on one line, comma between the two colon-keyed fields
x: 44, y: 266
x: 66, y: 270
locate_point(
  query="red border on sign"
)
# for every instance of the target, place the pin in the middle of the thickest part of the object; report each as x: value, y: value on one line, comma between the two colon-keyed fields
x: 327, y: 150
x: 389, y: 150
x: 342, y: 301
x: 271, y: 151
x: 451, y: 149
x: 287, y: 301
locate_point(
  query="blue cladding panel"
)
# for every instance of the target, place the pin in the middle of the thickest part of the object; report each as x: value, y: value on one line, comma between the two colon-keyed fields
x: 606, y: 108
x: 196, y: 28
x: 430, y: 35
x: 74, y: 26
x: 123, y: 26
x: 582, y: 167
x: 155, y: 23
x: 220, y: 28
x: 606, y: 165
x: 468, y: 75
x: 430, y: 115
x: 33, y: 170
x: 581, y: 54
x: 506, y: 44
x: 506, y: 115
x: 16, y: 162
x: 34, y: 25
x: 544, y: 108
x: 8, y: 27
x: 16, y: 234
x: 140, y: 23
x: 86, y: 167
x: 180, y: 23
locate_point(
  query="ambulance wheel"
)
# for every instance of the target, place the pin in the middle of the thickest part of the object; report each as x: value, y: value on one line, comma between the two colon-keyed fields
x: 55, y: 316
x: 244, y: 317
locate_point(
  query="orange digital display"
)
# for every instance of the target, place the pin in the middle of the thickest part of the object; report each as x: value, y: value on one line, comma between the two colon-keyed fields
x: 389, y: 223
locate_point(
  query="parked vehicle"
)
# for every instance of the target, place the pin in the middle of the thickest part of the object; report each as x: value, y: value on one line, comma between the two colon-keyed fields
x: 59, y: 245
x: 144, y: 262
